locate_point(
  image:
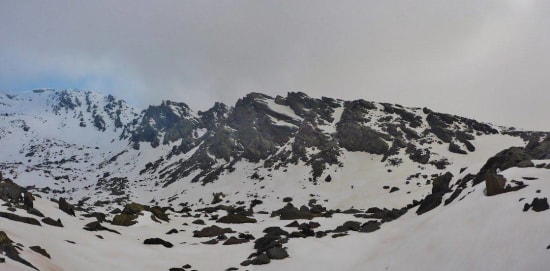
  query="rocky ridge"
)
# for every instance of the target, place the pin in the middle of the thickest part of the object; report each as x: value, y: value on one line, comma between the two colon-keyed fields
x: 229, y: 176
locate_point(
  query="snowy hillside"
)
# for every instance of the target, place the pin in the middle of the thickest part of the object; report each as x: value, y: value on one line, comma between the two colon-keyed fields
x: 370, y: 185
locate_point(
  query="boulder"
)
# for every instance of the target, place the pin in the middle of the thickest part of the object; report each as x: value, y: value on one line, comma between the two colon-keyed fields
x: 211, y: 231
x: 352, y: 225
x: 198, y: 222
x: 157, y: 241
x: 277, y: 253
x: 495, y: 184
x: 539, y: 204
x: 124, y: 220
x: 453, y: 147
x: 260, y: 259
x: 289, y: 212
x: 133, y: 208
x: 10, y: 191
x: 28, y: 199
x: 370, y: 226
x: 236, y: 219
x: 159, y: 213
x: 50, y: 221
x: 40, y: 251
x: 235, y: 241
x: 96, y: 226
x: 100, y: 217
x: 66, y: 207
x: 172, y: 231
x: 275, y: 231
x: 293, y: 224
x: 35, y: 212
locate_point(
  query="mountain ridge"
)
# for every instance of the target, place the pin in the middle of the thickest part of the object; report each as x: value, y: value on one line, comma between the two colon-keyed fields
x: 366, y: 180
x: 273, y: 132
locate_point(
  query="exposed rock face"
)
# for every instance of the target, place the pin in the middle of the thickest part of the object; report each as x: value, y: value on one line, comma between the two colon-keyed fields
x: 354, y: 137
x: 170, y: 119
x: 257, y: 130
x: 10, y: 191
x: 503, y: 160
x: 440, y: 186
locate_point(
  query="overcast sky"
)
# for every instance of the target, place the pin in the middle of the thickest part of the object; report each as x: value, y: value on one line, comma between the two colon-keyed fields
x: 488, y: 60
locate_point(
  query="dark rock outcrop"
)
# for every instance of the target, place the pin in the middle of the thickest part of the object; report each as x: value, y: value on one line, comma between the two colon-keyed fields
x: 40, y: 251
x: 100, y: 217
x: 35, y: 212
x: 494, y: 184
x: 235, y: 241
x: 211, y: 231
x: 124, y: 220
x: 440, y: 186
x: 157, y: 241
x: 277, y: 253
x: 172, y: 231
x: 349, y: 226
x: 96, y: 226
x: 260, y: 259
x: 50, y: 221
x: 7, y: 249
x: 22, y: 219
x: 539, y: 204
x: 370, y: 226
x: 289, y: 212
x: 236, y: 219
x: 66, y: 207
x: 501, y: 161
x: 10, y: 191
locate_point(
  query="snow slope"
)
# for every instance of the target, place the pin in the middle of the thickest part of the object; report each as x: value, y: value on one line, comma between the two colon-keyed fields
x: 101, y: 154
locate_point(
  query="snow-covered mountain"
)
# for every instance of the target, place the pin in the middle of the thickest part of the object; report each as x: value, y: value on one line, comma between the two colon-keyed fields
x: 451, y: 187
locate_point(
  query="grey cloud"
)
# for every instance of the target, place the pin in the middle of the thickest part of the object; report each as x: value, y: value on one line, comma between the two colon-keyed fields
x: 481, y: 59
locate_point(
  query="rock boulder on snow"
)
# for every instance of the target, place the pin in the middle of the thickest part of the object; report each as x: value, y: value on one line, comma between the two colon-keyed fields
x: 157, y: 241
x: 66, y: 207
x: 495, y: 184
x: 211, y: 231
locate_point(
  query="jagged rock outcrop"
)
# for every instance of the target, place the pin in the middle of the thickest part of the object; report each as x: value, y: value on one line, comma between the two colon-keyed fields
x: 440, y: 186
